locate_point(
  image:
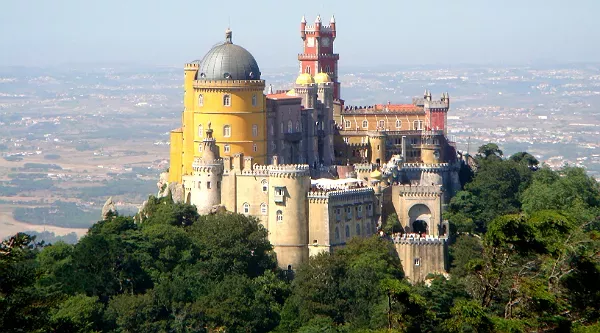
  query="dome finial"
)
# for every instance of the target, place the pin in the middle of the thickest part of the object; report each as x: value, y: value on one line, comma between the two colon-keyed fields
x: 228, y: 34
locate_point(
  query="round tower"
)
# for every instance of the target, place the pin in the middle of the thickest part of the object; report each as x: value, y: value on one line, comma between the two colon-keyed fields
x: 228, y: 91
x: 288, y: 213
x: 377, y: 143
x: 203, y: 187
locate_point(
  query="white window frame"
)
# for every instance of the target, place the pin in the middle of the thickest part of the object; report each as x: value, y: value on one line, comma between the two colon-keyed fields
x: 347, y: 124
x: 398, y: 123
x: 279, y: 216
x: 246, y: 208
x: 200, y: 131
x: 227, y: 131
x: 226, y: 148
x: 265, y: 185
x: 200, y: 100
x: 365, y: 124
x: 263, y: 208
x: 227, y: 100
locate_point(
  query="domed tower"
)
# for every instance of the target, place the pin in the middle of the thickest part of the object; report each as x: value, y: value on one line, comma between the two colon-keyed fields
x: 288, y: 213
x: 325, y: 96
x: 305, y: 87
x: 203, y: 187
x: 224, y: 88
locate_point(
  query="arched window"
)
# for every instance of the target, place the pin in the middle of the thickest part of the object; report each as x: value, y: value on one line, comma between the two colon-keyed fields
x: 254, y: 100
x: 254, y: 148
x: 246, y: 208
x: 358, y: 229
x: 227, y: 131
x: 200, y: 147
x: 282, y: 128
x: 290, y: 126
x: 365, y: 124
x: 200, y: 100
x: 279, y: 216
x: 263, y: 208
x: 227, y: 100
x: 298, y: 126
x: 254, y: 130
x: 308, y: 69
x: 347, y: 231
x: 200, y: 131
x: 398, y: 123
x: 271, y: 129
x: 327, y: 69
x: 382, y: 124
x: 265, y: 185
x: 347, y: 123
x: 337, y: 233
x: 226, y: 148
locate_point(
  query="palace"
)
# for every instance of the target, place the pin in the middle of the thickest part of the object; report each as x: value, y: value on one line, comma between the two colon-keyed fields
x: 314, y: 171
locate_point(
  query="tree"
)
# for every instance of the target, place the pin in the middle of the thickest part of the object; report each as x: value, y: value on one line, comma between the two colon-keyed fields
x: 525, y: 158
x: 490, y: 151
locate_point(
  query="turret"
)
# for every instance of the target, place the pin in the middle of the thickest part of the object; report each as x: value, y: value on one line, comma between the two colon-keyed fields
x: 332, y: 25
x: 318, y: 26
x: 303, y: 28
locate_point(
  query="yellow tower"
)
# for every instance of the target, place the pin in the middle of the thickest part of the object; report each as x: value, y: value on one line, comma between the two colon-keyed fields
x: 223, y: 92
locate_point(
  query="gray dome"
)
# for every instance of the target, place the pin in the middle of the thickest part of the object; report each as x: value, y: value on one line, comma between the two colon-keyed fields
x: 228, y: 61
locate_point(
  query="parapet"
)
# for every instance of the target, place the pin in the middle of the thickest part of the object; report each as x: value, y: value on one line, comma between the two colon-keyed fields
x: 192, y: 66
x: 419, y: 190
x: 289, y: 170
x: 339, y: 194
x: 363, y: 167
x: 425, y: 166
x: 416, y: 239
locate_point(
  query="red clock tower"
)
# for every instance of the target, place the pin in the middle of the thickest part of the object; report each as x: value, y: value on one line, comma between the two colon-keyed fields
x: 318, y: 53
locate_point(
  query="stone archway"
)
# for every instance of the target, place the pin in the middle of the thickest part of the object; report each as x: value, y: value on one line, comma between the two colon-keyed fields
x: 419, y: 217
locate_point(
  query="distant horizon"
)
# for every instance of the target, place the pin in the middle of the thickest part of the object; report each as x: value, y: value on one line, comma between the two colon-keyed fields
x: 402, y: 32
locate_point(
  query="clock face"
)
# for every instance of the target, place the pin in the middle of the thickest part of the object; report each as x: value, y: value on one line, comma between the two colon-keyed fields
x: 325, y: 41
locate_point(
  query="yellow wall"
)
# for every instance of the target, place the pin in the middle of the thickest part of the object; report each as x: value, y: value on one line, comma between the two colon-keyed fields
x: 175, y: 166
x: 188, y: 119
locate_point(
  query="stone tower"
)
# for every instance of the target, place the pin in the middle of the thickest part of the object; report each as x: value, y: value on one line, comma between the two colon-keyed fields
x: 318, y: 56
x: 203, y: 187
x: 288, y: 210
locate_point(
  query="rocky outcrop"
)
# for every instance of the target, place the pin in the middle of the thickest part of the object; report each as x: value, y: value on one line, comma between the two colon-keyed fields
x: 165, y: 187
x: 108, y: 208
x: 163, y: 183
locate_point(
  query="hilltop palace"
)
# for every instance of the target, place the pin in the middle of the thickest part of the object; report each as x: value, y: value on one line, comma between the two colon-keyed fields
x: 314, y: 171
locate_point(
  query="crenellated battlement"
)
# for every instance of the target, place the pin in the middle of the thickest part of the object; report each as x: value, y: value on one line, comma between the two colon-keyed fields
x: 419, y: 190
x: 339, y: 194
x: 434, y: 167
x: 363, y: 167
x: 192, y: 66
x: 418, y: 240
x: 289, y: 170
x: 199, y: 162
x: 229, y: 84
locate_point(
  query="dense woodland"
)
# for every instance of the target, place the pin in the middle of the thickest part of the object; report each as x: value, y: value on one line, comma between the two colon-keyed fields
x: 525, y: 258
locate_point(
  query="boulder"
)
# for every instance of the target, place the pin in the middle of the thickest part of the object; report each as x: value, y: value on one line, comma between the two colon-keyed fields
x: 109, y: 207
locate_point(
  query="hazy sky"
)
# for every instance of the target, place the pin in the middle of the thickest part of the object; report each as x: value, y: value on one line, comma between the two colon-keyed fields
x: 402, y: 32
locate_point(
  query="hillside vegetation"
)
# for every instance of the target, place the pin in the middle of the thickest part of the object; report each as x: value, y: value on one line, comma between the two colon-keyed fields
x: 526, y: 259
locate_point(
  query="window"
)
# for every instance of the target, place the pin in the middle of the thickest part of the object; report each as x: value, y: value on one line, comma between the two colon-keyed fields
x: 365, y: 124
x: 370, y: 209
x: 227, y: 131
x: 382, y: 124
x: 346, y: 140
x: 347, y: 231
x: 227, y: 100
x: 279, y: 216
x: 290, y: 126
x: 417, y: 261
x: 337, y: 233
x: 327, y: 69
x: 281, y: 127
x: 298, y: 126
x: 347, y: 123
x: 265, y: 185
x: 200, y: 100
x: 338, y: 214
x: 200, y: 147
x: 199, y: 184
x: 226, y: 148
x: 254, y: 100
x: 246, y: 208
x: 358, y: 229
x: 200, y: 131
x: 418, y: 125
x: 218, y: 184
x: 254, y: 130
x: 308, y: 69
x: 359, y: 211
x: 398, y: 123
x: 271, y: 129
x: 208, y: 185
x: 254, y: 148
x: 263, y: 208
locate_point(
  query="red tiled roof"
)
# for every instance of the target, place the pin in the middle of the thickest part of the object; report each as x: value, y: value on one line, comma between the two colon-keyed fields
x: 281, y: 96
